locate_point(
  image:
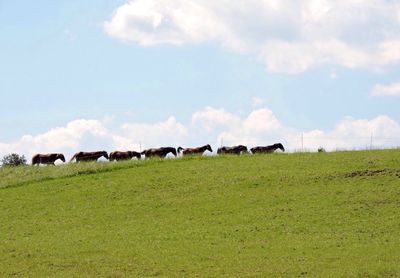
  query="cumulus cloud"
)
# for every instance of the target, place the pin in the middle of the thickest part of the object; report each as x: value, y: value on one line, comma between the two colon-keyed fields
x: 392, y: 90
x: 92, y: 135
x: 351, y: 133
x: 288, y: 36
x: 211, y: 118
x: 58, y: 139
x: 259, y: 126
x: 262, y: 127
x: 159, y: 134
x: 209, y: 125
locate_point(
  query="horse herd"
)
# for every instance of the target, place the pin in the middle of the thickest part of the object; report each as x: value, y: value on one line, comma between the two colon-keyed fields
x: 153, y: 152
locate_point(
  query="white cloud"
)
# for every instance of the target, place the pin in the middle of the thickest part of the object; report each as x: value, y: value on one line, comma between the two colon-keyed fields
x: 154, y: 22
x: 211, y: 118
x: 261, y: 120
x: 297, y: 57
x: 92, y: 135
x: 259, y: 127
x: 288, y: 36
x: 356, y: 133
x: 262, y: 127
x: 386, y: 90
x: 58, y: 139
x: 159, y: 134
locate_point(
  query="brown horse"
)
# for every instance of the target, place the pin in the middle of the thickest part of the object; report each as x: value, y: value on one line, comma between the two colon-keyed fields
x: 199, y: 150
x: 89, y: 156
x: 47, y: 158
x: 117, y: 155
x: 268, y: 149
x: 232, y: 150
x: 160, y: 152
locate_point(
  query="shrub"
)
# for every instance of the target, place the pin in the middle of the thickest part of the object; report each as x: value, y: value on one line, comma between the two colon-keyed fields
x: 13, y: 160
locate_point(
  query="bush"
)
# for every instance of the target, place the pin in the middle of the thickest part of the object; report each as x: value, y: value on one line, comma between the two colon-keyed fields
x: 13, y: 160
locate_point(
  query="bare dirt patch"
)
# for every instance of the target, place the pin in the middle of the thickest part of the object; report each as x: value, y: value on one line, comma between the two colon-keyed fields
x: 372, y: 173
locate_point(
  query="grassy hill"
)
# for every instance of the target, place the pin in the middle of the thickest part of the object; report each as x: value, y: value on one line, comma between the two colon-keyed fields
x: 306, y: 215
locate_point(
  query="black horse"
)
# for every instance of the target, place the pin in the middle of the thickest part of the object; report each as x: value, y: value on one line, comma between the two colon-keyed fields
x: 268, y: 149
x: 89, y: 156
x: 160, y: 152
x: 199, y: 150
x: 117, y: 155
x: 47, y: 158
x: 232, y: 150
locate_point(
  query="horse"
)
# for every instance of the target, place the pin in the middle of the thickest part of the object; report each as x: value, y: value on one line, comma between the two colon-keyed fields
x: 89, y: 156
x: 117, y: 155
x: 47, y: 158
x: 160, y: 152
x: 199, y: 150
x: 268, y: 149
x: 232, y: 150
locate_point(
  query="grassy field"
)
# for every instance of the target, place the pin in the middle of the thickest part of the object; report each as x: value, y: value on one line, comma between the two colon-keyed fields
x: 296, y: 215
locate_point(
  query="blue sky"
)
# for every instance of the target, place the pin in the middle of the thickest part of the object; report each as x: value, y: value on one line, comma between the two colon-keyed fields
x: 140, y: 63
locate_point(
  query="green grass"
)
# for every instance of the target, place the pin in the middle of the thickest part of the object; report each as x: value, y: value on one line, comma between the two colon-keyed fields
x: 297, y: 215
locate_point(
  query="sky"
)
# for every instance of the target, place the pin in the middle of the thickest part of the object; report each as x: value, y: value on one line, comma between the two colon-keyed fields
x: 127, y: 75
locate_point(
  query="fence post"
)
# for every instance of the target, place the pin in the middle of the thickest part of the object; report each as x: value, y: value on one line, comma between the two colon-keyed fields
x: 372, y: 135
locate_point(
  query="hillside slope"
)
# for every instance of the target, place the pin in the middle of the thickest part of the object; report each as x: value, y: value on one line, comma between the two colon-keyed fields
x: 322, y: 214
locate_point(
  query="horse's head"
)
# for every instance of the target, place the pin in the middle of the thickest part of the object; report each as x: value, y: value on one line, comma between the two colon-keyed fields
x: 60, y: 156
x: 243, y: 149
x: 105, y: 154
x: 180, y: 149
x: 280, y: 146
x: 208, y: 147
x: 134, y: 154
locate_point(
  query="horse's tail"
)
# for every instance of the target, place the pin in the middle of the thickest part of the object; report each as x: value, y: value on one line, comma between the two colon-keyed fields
x: 74, y: 157
x: 180, y: 149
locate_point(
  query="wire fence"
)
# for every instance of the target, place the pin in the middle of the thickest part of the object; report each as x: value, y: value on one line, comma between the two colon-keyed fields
x: 307, y: 143
x: 349, y: 142
x: 293, y: 143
